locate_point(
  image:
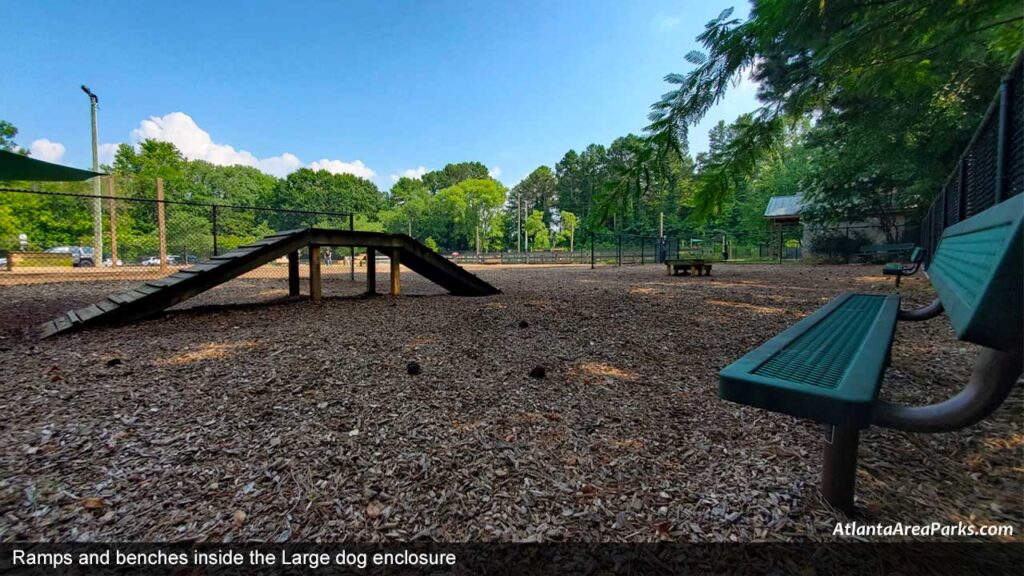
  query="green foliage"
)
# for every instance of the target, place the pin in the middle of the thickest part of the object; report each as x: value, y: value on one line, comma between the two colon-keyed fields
x: 537, y: 231
x: 452, y: 174
x: 898, y: 87
x: 321, y: 191
x: 472, y: 206
x: 7, y: 134
x: 431, y: 243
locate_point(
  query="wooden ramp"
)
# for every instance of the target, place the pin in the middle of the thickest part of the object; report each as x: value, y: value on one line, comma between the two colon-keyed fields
x: 153, y: 297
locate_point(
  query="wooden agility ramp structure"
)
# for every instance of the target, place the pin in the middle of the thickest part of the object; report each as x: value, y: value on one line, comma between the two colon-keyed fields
x: 153, y: 297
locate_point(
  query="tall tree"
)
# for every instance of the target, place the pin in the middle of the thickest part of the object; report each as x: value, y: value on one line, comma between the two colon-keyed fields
x: 452, y: 174
x: 474, y: 207
x: 322, y: 191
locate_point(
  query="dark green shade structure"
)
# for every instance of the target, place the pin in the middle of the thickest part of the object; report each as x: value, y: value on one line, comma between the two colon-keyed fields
x: 18, y: 167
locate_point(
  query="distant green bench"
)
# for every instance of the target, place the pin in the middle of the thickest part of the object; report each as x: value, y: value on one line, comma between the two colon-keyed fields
x: 899, y: 269
x: 829, y: 366
x: 682, y: 266
x: 884, y: 251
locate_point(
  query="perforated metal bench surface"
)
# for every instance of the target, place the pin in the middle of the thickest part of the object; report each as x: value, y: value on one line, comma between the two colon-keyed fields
x: 827, y: 367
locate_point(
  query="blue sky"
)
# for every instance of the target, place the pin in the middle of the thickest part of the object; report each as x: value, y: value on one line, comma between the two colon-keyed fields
x: 373, y: 88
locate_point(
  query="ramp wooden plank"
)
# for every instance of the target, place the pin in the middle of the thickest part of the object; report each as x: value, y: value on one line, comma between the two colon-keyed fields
x: 61, y: 323
x: 205, y: 266
x: 107, y: 305
x: 287, y: 233
x: 147, y: 289
x: 164, y: 282
x: 127, y: 297
x: 49, y: 328
x: 183, y: 274
x: 237, y: 253
x: 89, y: 312
x: 73, y: 316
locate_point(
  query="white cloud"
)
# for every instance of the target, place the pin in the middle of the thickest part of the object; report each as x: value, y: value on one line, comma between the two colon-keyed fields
x: 414, y: 173
x: 107, y: 152
x: 339, y: 167
x: 280, y: 166
x: 46, y: 150
x: 494, y: 172
x: 667, y: 22
x: 195, y: 143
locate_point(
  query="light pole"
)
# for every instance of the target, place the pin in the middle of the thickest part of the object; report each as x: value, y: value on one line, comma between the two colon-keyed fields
x: 97, y: 207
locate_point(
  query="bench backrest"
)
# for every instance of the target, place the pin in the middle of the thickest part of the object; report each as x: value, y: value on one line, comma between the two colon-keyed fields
x: 978, y: 272
x: 916, y: 255
x: 887, y: 248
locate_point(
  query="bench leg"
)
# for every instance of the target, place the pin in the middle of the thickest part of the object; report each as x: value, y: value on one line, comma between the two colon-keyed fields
x: 898, y: 280
x: 839, y: 472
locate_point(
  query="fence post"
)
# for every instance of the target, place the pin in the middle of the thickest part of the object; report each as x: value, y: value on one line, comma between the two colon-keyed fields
x: 961, y: 196
x: 371, y: 271
x: 315, y: 291
x: 160, y: 224
x: 213, y: 219
x: 1002, y: 143
x: 591, y: 250
x: 352, y: 249
x: 780, y: 246
x: 620, y: 250
x: 641, y: 249
x: 293, y: 273
x: 113, y: 223
x: 396, y: 268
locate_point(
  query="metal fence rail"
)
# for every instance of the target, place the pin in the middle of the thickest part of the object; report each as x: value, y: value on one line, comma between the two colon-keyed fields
x: 990, y: 170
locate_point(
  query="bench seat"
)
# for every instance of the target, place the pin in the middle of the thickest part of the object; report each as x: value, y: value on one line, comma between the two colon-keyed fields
x: 893, y: 269
x: 828, y: 367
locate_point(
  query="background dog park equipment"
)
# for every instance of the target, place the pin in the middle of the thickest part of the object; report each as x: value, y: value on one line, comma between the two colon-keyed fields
x: 829, y: 366
x: 153, y: 297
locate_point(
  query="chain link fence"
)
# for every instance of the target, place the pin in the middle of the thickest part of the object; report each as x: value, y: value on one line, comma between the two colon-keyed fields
x: 48, y: 236
x: 990, y: 170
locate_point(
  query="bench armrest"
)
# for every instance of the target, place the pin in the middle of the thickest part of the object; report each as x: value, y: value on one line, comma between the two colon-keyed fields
x: 923, y: 313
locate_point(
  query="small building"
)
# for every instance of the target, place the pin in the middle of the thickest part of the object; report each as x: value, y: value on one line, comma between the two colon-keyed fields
x: 784, y: 232
x: 787, y: 232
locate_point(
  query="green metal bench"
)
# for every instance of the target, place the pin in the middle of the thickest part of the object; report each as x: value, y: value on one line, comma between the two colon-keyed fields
x: 682, y: 266
x: 870, y: 253
x: 829, y: 366
x: 899, y: 269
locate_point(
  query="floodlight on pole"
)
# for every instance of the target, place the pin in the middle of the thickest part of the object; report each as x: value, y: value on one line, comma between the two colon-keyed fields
x: 97, y: 208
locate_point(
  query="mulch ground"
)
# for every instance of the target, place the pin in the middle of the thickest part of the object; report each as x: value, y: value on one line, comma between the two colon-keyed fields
x: 300, y: 421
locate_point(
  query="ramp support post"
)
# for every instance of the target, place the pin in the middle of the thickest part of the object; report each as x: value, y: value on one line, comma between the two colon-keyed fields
x: 371, y: 271
x: 293, y: 273
x: 396, y: 280
x: 314, y: 272
x: 839, y: 470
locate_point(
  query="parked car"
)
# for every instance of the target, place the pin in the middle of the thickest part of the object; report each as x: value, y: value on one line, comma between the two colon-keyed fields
x: 81, y: 256
x: 109, y: 262
x: 151, y: 261
x: 3, y: 263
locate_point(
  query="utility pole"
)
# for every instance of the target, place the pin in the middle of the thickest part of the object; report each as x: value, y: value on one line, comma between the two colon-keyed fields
x: 97, y: 207
x: 519, y: 223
